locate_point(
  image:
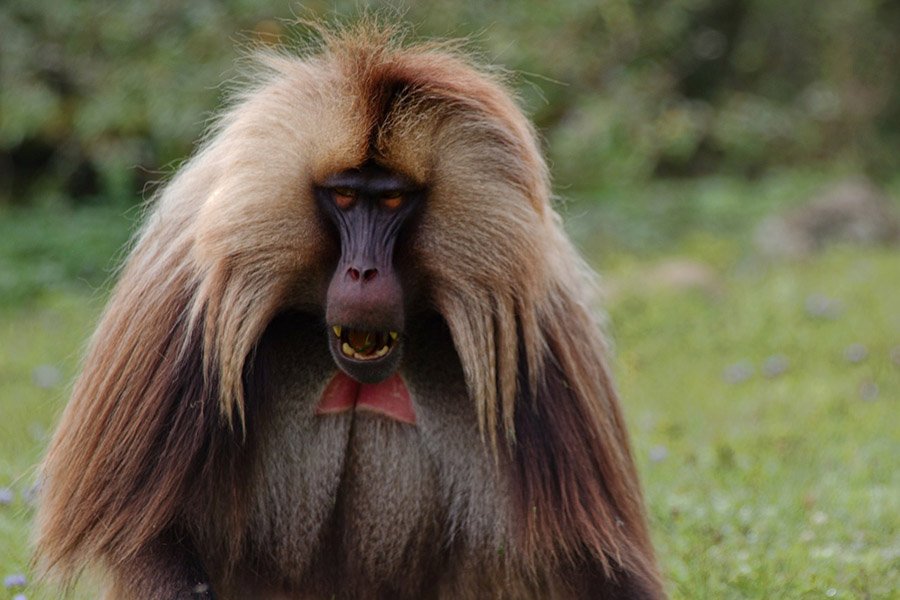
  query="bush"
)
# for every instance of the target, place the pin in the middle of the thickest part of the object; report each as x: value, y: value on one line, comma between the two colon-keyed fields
x: 97, y: 99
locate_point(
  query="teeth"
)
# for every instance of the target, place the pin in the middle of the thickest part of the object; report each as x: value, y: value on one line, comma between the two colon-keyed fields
x: 348, y: 350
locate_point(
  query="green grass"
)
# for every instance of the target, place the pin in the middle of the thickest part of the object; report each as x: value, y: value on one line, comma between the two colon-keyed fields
x: 59, y: 250
x: 47, y: 335
x: 778, y: 486
x: 759, y: 485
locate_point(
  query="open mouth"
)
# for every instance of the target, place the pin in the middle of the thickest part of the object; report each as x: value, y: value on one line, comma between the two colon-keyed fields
x: 362, y: 345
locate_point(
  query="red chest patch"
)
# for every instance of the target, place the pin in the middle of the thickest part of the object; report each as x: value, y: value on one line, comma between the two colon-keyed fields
x: 389, y: 398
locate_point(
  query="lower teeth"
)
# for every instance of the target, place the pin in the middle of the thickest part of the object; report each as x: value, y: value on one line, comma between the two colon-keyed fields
x: 368, y: 341
x: 349, y: 351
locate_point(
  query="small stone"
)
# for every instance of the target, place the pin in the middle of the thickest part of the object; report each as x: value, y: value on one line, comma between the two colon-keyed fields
x: 16, y: 580
x: 739, y: 372
x: 831, y: 592
x: 658, y: 453
x: 868, y: 390
x: 6, y: 496
x: 31, y: 494
x: 853, y: 210
x: 823, y: 307
x: 46, y: 376
x: 855, y: 353
x: 683, y: 275
x: 775, y: 366
x: 37, y: 432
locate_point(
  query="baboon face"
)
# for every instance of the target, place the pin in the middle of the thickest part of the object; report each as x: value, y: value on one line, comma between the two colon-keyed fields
x: 368, y: 207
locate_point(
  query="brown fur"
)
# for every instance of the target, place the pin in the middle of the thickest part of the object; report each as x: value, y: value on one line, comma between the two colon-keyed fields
x: 190, y: 452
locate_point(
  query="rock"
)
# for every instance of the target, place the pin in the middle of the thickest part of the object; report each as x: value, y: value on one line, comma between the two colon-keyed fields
x: 868, y: 390
x: 851, y: 211
x: 658, y: 453
x: 775, y: 366
x: 677, y: 275
x: 739, y: 372
x: 682, y: 274
x: 31, y: 494
x: 855, y: 353
x: 46, y: 376
x: 823, y: 307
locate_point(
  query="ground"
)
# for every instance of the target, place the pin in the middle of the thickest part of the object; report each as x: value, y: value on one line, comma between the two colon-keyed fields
x: 762, y: 396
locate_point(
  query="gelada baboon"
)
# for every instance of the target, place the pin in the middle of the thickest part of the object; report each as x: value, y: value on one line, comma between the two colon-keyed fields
x: 351, y: 355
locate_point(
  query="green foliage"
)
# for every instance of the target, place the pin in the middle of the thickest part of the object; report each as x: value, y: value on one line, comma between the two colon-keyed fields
x: 96, y: 99
x: 44, y: 252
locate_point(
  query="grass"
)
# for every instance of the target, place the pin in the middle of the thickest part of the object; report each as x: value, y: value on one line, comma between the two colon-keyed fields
x: 45, y: 337
x: 768, y: 444
x: 762, y: 397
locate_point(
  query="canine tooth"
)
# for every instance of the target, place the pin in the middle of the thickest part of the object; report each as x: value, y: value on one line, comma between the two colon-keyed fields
x: 347, y: 349
x: 337, y: 330
x: 382, y: 352
x: 394, y: 335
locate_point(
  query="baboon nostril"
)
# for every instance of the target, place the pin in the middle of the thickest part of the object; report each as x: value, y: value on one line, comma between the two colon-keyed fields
x: 365, y: 275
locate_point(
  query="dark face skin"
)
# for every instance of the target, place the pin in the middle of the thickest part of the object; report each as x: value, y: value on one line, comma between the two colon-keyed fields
x: 364, y: 305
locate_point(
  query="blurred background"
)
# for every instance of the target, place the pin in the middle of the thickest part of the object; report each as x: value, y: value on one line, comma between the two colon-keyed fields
x: 731, y: 167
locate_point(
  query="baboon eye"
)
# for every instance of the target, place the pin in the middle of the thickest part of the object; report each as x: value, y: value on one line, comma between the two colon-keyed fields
x: 392, y: 201
x: 344, y: 197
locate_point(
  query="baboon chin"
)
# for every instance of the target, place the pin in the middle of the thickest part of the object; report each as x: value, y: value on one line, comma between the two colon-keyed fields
x: 351, y: 355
